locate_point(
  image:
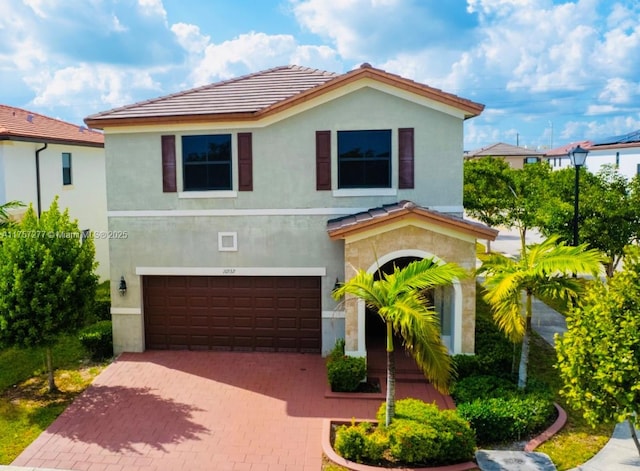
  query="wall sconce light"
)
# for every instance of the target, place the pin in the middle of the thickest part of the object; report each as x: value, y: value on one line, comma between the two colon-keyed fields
x: 123, y: 286
x: 337, y: 284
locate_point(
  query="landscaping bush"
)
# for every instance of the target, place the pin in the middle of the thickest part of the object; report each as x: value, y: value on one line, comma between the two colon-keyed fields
x: 501, y: 419
x: 494, y: 356
x: 102, y: 303
x: 482, y: 387
x: 345, y: 373
x: 454, y: 441
x: 98, y: 340
x: 412, y: 442
x: 420, y: 433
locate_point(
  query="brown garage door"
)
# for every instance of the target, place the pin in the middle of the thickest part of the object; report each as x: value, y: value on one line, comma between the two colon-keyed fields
x: 262, y: 313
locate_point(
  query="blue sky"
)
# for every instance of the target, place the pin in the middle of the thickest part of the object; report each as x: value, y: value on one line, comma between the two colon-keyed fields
x: 549, y: 71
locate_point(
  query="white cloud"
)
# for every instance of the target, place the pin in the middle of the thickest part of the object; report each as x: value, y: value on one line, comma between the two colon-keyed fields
x: 99, y: 85
x: 153, y: 8
x: 252, y: 52
x: 190, y: 37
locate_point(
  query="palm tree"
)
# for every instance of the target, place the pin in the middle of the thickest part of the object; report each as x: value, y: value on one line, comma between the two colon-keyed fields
x: 399, y: 300
x: 547, y: 270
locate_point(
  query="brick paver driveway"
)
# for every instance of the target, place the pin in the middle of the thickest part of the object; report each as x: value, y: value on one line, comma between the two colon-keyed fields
x: 175, y: 410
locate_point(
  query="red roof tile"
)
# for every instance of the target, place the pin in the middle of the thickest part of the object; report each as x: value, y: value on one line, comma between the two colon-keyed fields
x: 22, y: 125
x: 563, y: 151
x: 256, y: 95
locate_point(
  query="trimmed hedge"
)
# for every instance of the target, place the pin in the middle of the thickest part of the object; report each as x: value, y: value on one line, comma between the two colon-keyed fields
x: 419, y: 434
x: 98, y: 340
x: 502, y: 419
x: 345, y: 373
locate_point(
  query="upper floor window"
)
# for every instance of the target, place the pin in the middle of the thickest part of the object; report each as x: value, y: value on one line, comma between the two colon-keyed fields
x: 531, y: 160
x: 364, y: 159
x: 206, y: 162
x: 66, y: 168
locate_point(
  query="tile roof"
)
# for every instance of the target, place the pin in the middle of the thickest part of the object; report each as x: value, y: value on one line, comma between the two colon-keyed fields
x: 22, y: 125
x: 563, y: 151
x: 501, y: 149
x: 341, y: 227
x: 259, y: 94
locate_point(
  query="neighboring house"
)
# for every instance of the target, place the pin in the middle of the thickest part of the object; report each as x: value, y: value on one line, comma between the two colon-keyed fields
x: 246, y: 201
x: 514, y: 155
x: 559, y: 158
x: 41, y: 157
x: 621, y: 152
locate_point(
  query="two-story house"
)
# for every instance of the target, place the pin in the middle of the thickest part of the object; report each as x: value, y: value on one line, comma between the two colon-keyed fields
x: 243, y: 202
x: 42, y: 157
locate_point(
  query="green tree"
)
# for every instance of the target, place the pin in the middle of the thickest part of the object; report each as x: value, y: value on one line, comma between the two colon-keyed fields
x: 487, y: 190
x: 543, y: 270
x: 608, y: 212
x: 399, y: 300
x: 599, y: 355
x: 47, y: 281
x: 497, y: 194
x: 5, y: 217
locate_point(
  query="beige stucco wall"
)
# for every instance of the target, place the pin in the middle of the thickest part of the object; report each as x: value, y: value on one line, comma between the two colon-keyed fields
x: 363, y: 251
x: 85, y: 198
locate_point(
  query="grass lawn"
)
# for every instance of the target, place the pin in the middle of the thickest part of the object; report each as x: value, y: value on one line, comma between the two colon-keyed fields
x: 26, y: 408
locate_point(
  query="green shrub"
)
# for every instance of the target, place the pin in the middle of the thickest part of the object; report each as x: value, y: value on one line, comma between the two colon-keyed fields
x: 345, y: 373
x: 495, y: 354
x: 351, y: 441
x: 454, y: 439
x: 102, y: 303
x: 98, y: 340
x: 412, y: 442
x: 481, y: 387
x: 500, y: 419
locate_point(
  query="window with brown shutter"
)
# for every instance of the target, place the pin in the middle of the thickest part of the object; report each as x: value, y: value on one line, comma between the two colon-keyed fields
x: 405, y: 158
x: 245, y: 162
x: 169, y: 164
x: 323, y: 160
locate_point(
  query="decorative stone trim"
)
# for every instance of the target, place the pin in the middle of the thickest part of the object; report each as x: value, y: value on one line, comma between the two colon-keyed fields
x: 551, y: 431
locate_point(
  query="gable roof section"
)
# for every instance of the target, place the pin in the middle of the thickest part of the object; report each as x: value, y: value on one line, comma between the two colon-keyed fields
x: 254, y: 96
x: 21, y: 125
x: 501, y: 149
x: 345, y: 226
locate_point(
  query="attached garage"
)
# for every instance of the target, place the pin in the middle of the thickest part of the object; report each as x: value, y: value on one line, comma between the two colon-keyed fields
x: 246, y: 313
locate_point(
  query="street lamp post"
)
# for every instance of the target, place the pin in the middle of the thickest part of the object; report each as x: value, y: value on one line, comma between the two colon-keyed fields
x: 578, y: 157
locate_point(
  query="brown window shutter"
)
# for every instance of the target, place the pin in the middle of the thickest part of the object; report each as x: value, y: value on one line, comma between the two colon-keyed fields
x: 245, y: 162
x: 323, y: 160
x: 169, y: 164
x: 405, y: 158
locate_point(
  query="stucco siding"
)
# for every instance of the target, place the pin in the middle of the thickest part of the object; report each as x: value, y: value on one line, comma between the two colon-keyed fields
x: 85, y: 198
x: 284, y: 158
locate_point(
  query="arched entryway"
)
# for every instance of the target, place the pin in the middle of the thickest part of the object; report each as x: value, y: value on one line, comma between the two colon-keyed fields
x: 441, y: 299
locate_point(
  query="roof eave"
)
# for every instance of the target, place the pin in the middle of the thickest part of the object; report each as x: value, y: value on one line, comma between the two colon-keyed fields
x: 101, y: 123
x: 49, y: 140
x: 475, y: 230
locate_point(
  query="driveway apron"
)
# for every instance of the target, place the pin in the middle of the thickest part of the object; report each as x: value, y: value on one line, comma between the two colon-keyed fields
x: 173, y: 410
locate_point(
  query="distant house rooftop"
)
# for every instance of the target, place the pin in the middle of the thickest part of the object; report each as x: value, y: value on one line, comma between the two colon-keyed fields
x: 563, y: 151
x: 501, y: 149
x: 17, y: 124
